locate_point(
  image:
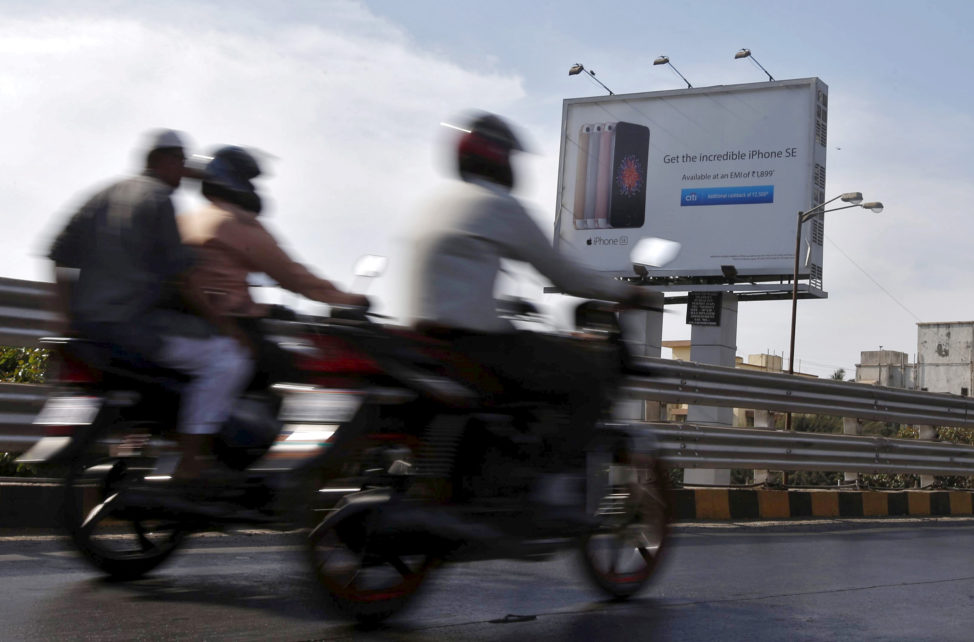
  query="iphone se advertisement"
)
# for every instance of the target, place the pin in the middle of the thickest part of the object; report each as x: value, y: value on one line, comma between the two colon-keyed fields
x: 723, y: 170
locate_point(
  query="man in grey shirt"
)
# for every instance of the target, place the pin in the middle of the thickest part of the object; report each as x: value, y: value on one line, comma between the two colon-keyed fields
x: 467, y: 231
x: 119, y: 263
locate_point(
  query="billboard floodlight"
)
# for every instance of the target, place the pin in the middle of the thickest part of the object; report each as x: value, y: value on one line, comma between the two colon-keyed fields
x: 746, y: 53
x: 665, y: 60
x: 578, y: 68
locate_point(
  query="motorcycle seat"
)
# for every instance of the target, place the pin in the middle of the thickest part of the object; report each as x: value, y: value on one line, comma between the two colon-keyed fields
x: 113, y: 364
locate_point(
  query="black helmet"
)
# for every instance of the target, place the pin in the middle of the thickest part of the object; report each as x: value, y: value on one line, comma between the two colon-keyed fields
x: 228, y: 176
x: 485, y: 150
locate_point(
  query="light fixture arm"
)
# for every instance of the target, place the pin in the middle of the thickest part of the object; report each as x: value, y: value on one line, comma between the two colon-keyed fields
x: 804, y: 216
x: 770, y: 79
x: 689, y: 86
x: 578, y: 68
x: 746, y: 53
x: 665, y: 60
x: 592, y: 75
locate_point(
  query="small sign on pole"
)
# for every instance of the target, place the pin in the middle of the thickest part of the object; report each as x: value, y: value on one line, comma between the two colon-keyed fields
x: 703, y: 308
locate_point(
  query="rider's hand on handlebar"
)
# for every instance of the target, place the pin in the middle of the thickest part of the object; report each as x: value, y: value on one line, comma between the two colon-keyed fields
x: 348, y: 306
x: 349, y: 299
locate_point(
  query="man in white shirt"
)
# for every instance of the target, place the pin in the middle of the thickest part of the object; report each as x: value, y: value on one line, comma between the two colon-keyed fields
x: 465, y: 233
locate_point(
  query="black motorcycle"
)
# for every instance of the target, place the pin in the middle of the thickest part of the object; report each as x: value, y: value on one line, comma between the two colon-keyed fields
x: 433, y: 475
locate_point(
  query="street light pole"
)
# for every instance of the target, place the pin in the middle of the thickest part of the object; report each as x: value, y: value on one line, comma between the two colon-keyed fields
x: 855, y: 200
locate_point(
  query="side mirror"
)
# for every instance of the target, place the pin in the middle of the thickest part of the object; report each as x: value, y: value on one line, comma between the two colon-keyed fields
x: 370, y: 266
x: 653, y: 252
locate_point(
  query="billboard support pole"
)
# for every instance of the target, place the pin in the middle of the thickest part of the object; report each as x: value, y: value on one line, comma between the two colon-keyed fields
x: 714, y: 345
x: 643, y: 330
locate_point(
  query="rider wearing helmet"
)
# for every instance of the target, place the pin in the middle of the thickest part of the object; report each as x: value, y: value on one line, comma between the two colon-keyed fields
x: 232, y: 242
x: 466, y: 232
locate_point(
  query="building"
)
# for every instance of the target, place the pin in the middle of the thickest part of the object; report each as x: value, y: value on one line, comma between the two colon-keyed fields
x: 945, y: 362
x: 886, y: 368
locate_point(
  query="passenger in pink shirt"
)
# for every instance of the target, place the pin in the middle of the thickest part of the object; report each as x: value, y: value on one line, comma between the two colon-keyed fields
x: 232, y: 243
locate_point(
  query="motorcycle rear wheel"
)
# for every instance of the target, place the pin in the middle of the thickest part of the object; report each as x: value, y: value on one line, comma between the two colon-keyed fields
x: 116, y: 540
x: 622, y: 557
x: 362, y: 580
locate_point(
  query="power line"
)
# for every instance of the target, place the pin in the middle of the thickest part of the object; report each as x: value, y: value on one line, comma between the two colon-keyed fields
x: 868, y: 276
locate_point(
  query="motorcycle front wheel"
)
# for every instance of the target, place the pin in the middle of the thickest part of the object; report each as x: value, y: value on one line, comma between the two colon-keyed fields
x: 622, y: 556
x: 119, y: 540
x: 365, y: 578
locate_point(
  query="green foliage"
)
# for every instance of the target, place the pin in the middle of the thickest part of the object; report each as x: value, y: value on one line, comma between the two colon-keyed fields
x: 811, y: 423
x: 957, y: 435
x: 838, y: 375
x: 23, y: 365
x: 887, y: 481
x: 883, y: 429
x: 10, y: 468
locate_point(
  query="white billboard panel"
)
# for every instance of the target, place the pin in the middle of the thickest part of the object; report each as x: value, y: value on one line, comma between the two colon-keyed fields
x: 723, y: 170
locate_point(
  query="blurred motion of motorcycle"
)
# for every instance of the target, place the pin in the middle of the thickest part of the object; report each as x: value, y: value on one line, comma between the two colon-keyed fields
x: 381, y: 450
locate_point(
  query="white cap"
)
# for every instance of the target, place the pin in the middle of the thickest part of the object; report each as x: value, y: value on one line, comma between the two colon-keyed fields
x: 163, y: 139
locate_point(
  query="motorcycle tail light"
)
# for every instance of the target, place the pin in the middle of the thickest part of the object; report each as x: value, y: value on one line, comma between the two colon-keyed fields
x: 335, y: 356
x: 71, y: 370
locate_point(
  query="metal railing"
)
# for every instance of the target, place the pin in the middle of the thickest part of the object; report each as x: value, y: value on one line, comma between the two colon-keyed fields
x: 25, y: 316
x: 19, y: 403
x: 26, y: 312
x: 685, y: 446
x: 694, y: 383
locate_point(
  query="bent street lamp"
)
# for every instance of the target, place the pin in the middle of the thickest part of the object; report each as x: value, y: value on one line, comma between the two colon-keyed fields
x: 746, y: 53
x: 578, y: 68
x: 665, y: 60
x: 855, y: 200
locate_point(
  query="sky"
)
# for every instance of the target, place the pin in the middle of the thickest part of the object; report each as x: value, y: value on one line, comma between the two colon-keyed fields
x: 343, y: 100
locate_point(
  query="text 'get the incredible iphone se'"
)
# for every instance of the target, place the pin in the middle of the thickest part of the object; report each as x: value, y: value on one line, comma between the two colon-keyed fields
x: 610, y: 176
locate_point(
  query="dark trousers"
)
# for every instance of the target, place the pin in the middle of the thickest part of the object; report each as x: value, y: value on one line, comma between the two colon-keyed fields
x: 578, y: 376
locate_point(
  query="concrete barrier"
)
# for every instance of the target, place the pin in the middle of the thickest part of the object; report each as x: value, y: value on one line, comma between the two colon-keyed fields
x: 29, y: 503
x: 35, y: 503
x: 732, y: 504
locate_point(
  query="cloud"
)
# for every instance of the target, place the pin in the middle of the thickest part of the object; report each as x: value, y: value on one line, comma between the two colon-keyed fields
x: 347, y: 110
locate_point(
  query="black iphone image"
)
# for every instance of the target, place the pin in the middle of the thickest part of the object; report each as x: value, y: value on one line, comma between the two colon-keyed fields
x: 627, y: 207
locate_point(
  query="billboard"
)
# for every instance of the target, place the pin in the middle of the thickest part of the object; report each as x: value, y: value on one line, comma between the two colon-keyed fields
x: 723, y: 170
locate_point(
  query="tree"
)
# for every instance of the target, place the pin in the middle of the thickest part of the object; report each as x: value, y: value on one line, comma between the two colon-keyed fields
x: 838, y: 375
x: 23, y: 365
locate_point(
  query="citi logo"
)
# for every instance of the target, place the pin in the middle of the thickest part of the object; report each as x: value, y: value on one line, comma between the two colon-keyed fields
x: 621, y: 241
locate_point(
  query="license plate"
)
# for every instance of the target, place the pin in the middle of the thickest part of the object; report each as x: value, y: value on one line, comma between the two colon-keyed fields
x: 320, y: 407
x: 69, y: 411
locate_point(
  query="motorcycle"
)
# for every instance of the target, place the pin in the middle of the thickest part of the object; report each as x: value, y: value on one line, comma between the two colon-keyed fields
x: 388, y: 461
x: 110, y: 430
x: 434, y: 475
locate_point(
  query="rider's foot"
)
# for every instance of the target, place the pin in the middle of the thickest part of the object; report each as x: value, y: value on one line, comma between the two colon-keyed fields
x: 195, y: 456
